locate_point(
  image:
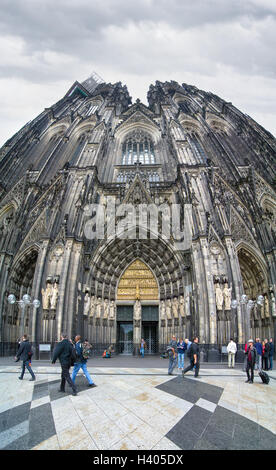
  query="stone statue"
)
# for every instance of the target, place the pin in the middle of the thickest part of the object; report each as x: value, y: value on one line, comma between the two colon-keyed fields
x: 266, y: 307
x: 87, y: 301
x: 137, y: 310
x: 219, y: 297
x: 187, y: 304
x: 169, y: 309
x: 273, y: 306
x: 54, y: 297
x: 92, y: 307
x: 112, y: 310
x: 182, y: 306
x: 46, y: 295
x: 98, y: 307
x: 175, y: 307
x: 227, y: 294
x: 106, y: 308
x: 163, y: 310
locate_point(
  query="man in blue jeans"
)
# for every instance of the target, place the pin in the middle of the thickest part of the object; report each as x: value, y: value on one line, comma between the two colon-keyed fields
x: 81, y: 363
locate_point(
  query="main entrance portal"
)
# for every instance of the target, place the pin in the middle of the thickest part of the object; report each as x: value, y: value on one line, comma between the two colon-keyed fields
x: 125, y: 338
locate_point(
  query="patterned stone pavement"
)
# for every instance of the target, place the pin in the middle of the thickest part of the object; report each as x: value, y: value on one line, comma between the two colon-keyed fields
x: 137, y: 409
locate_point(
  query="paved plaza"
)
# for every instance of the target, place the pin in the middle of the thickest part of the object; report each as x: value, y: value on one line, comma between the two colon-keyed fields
x: 136, y: 407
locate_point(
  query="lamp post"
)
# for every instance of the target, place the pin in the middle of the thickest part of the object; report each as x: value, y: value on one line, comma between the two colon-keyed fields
x: 23, y: 303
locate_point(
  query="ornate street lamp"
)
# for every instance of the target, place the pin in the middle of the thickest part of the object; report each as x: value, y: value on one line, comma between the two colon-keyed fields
x: 23, y: 303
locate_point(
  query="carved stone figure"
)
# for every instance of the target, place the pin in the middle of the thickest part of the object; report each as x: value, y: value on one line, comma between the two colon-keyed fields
x: 266, y: 307
x: 273, y: 306
x: 182, y: 306
x: 187, y: 304
x: 227, y: 295
x: 219, y: 297
x: 54, y: 297
x: 163, y: 310
x: 92, y: 307
x: 112, y: 310
x: 46, y: 295
x: 99, y: 308
x: 106, y: 308
x: 87, y: 301
x: 175, y: 307
x: 169, y: 309
x: 137, y: 312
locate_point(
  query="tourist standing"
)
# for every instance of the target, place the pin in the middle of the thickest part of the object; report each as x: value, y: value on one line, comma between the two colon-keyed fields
x: 266, y: 354
x: 143, y: 346
x: 194, y: 356
x: 64, y: 352
x: 81, y: 363
x: 271, y: 353
x: 25, y: 354
x: 251, y: 356
x: 181, y: 348
x: 259, y: 349
x: 172, y: 352
x: 231, y: 349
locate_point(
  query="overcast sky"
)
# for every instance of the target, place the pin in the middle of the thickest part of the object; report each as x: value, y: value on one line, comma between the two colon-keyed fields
x: 223, y: 46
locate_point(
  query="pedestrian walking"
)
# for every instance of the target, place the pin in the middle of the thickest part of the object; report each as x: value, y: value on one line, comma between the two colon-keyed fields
x: 81, y: 362
x: 181, y: 348
x: 271, y: 353
x: 251, y: 356
x: 64, y: 351
x: 259, y: 349
x: 266, y: 354
x: 172, y: 353
x: 143, y: 346
x: 231, y: 349
x: 194, y: 356
x: 24, y: 353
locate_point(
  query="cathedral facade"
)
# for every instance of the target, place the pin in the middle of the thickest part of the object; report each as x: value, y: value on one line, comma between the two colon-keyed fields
x: 129, y: 221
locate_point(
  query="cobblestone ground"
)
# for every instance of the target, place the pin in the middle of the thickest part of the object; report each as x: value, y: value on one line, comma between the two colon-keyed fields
x: 137, y: 408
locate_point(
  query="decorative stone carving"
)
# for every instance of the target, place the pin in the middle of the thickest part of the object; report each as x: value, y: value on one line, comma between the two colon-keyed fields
x: 92, y: 307
x: 227, y: 295
x: 105, y: 308
x: 219, y: 297
x: 175, y: 307
x: 137, y: 311
x: 98, y: 308
x: 169, y: 309
x: 87, y: 302
x: 112, y: 310
x: 187, y: 304
x: 46, y: 296
x: 163, y: 310
x: 182, y: 306
x: 54, y: 297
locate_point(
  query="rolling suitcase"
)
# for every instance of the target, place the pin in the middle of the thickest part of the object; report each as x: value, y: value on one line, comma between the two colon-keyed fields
x: 264, y: 376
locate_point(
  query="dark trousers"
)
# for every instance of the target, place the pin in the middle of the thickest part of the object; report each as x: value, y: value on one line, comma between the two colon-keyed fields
x: 265, y: 363
x: 65, y: 377
x: 250, y: 368
x: 191, y: 366
x: 25, y: 365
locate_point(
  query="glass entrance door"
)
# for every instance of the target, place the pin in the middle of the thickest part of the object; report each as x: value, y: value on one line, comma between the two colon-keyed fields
x: 149, y: 333
x: 125, y: 338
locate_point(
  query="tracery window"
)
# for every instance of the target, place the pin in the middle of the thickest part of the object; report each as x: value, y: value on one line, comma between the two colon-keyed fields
x: 197, y: 147
x: 138, y: 148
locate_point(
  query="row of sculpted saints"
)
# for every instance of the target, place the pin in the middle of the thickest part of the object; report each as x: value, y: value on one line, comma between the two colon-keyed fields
x: 223, y: 296
x: 50, y: 296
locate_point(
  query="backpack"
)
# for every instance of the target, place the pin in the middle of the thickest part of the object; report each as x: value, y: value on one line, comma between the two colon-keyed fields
x: 86, y: 351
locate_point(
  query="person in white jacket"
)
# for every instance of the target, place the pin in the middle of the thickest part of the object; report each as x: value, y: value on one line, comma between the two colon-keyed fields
x: 231, y: 349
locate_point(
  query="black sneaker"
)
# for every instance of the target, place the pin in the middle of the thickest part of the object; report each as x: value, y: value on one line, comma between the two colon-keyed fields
x: 92, y: 385
x: 20, y: 378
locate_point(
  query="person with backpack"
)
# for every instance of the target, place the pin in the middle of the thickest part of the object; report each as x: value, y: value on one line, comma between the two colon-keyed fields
x: 81, y: 362
x: 25, y: 354
x: 65, y: 352
x: 172, y: 353
x: 251, y: 357
x: 193, y: 354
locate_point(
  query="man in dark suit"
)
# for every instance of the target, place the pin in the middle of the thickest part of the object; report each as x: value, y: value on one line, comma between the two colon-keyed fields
x: 63, y: 352
x: 25, y: 354
x: 194, y: 356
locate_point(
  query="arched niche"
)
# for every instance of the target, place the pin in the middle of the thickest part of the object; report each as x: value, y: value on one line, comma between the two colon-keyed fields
x: 137, y: 283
